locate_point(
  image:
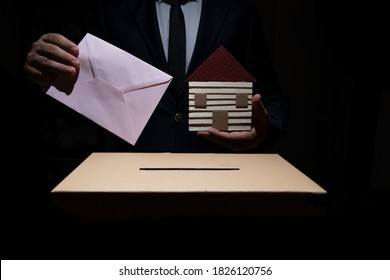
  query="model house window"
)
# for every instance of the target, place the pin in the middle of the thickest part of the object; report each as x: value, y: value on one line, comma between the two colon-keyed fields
x: 241, y: 100
x: 200, y: 100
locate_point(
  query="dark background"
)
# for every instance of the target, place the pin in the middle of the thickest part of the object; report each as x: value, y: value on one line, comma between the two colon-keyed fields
x: 332, y: 61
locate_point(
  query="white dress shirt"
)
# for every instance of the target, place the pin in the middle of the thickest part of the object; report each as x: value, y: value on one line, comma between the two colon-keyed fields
x: 191, y: 11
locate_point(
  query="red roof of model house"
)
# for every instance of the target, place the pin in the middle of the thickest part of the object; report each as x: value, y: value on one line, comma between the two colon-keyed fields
x: 223, y: 67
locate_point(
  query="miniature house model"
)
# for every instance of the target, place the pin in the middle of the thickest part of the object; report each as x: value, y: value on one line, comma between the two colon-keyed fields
x: 220, y: 94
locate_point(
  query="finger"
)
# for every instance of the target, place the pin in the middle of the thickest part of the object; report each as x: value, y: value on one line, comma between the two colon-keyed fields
x: 61, y: 42
x: 53, y: 51
x: 41, y: 63
x: 228, y: 136
x: 236, y: 141
x: 46, y: 77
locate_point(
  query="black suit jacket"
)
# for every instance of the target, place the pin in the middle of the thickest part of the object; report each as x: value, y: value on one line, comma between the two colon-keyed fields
x: 132, y: 26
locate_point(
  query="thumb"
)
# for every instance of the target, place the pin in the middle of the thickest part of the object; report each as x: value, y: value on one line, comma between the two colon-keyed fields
x: 260, y: 114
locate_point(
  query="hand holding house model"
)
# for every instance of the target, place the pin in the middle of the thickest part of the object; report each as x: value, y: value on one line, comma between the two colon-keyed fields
x: 220, y: 94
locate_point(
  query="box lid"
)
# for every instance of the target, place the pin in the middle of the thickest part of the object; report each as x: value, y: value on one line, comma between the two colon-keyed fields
x: 174, y: 172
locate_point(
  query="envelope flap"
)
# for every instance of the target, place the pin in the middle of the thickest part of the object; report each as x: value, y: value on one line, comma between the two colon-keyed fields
x: 130, y: 73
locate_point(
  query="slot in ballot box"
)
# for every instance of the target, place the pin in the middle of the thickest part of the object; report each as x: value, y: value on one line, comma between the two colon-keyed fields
x: 121, y: 186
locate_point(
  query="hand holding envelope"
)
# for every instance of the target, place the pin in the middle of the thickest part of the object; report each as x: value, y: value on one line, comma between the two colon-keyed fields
x: 113, y: 88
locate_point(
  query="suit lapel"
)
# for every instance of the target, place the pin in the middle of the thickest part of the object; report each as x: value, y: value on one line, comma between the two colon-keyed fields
x: 213, y: 15
x: 148, y: 26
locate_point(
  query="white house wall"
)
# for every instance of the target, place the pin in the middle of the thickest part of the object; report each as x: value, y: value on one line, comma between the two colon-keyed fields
x: 221, y: 96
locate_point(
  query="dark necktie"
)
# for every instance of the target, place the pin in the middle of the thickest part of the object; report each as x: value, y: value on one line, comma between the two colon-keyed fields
x: 177, y: 44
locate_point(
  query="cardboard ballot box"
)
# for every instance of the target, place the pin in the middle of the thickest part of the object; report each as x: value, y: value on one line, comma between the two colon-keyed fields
x: 121, y: 186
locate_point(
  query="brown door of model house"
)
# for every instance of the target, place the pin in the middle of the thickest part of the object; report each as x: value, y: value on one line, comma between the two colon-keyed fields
x: 220, y: 120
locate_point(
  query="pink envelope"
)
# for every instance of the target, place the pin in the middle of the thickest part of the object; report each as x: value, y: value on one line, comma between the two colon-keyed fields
x: 115, y: 89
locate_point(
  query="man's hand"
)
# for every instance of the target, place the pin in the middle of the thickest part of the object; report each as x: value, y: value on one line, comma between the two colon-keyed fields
x: 51, y: 55
x: 243, y: 140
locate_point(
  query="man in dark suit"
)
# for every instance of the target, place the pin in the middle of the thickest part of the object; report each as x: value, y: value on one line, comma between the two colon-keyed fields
x: 140, y: 28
